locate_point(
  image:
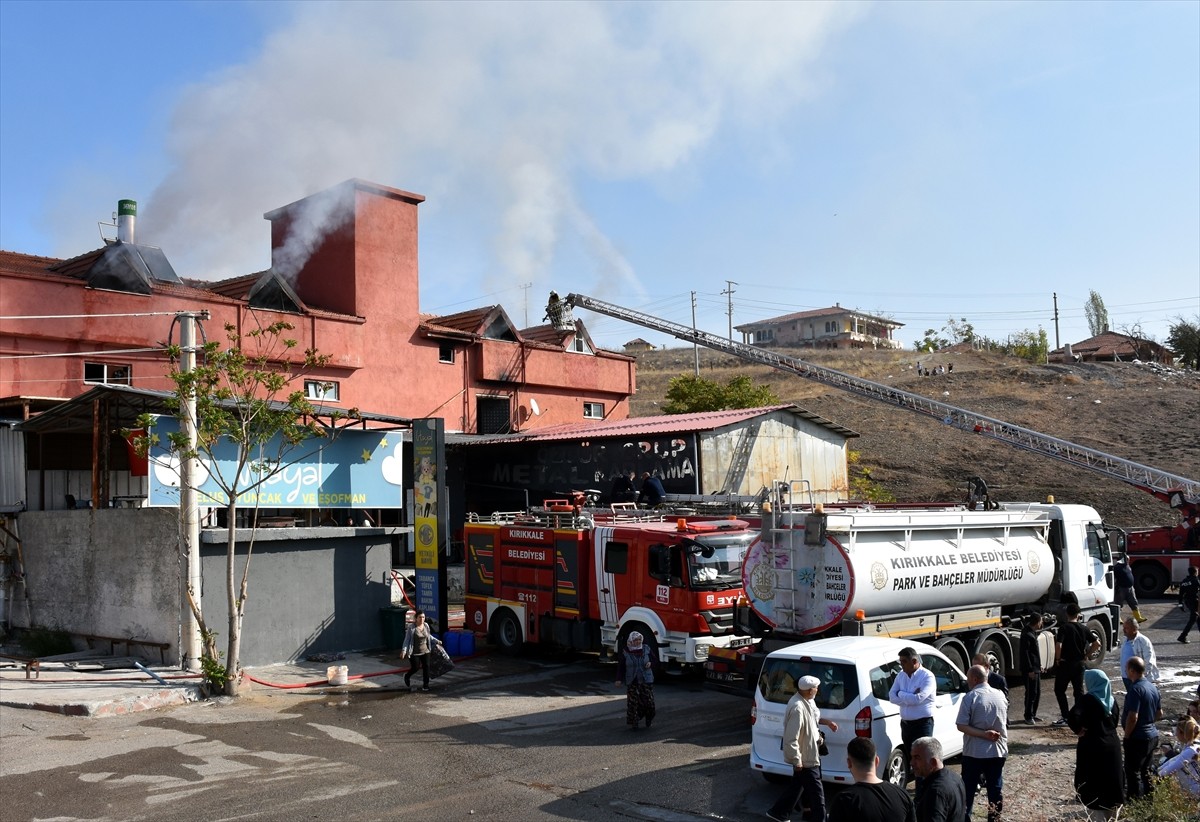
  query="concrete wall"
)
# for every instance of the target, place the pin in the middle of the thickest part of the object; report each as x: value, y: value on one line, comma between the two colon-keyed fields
x: 310, y: 590
x: 116, y: 572
x: 108, y: 572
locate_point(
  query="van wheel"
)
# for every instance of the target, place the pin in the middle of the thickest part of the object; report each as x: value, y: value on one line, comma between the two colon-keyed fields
x: 895, y: 769
x: 506, y: 632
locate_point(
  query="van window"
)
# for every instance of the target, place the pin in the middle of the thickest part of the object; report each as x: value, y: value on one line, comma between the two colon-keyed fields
x: 839, y: 682
x: 882, y: 679
x: 948, y: 680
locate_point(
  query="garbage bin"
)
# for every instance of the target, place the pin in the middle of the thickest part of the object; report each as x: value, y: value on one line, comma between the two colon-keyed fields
x: 393, y: 621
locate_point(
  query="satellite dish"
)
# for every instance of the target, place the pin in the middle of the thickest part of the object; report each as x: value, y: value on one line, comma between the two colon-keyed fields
x: 534, y: 408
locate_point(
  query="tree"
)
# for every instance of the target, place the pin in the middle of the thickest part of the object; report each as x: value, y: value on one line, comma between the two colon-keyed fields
x: 237, y: 390
x: 1028, y: 345
x: 1184, y: 340
x: 952, y: 333
x: 688, y: 394
x: 1096, y: 313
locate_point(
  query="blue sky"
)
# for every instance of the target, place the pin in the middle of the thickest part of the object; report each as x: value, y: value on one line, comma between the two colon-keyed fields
x: 916, y: 160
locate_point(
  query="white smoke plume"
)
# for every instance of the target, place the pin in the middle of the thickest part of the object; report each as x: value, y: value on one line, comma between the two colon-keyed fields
x: 495, y: 111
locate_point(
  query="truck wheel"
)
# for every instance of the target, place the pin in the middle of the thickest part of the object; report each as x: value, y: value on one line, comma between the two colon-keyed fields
x: 506, y: 632
x: 1095, y: 660
x: 997, y: 661
x: 647, y: 639
x: 895, y: 770
x: 1150, y: 579
x: 954, y: 652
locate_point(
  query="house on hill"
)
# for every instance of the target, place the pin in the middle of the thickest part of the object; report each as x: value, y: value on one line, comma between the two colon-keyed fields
x: 1110, y: 346
x: 637, y: 345
x: 833, y: 327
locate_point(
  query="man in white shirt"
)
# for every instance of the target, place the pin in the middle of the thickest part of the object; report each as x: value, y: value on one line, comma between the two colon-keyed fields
x: 1137, y: 644
x: 913, y: 691
x: 800, y: 742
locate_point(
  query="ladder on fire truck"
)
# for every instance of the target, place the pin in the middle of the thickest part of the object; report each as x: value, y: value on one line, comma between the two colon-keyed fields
x: 1161, y: 484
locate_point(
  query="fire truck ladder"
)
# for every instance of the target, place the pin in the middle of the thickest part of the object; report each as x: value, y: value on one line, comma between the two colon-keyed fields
x: 1162, y: 484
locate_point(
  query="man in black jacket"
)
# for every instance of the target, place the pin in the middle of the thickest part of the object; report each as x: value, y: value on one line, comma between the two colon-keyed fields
x: 941, y: 794
x: 1071, y: 648
x: 1189, y: 600
x: 1031, y: 666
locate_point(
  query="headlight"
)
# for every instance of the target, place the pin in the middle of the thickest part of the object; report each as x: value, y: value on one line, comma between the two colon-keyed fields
x: 702, y: 651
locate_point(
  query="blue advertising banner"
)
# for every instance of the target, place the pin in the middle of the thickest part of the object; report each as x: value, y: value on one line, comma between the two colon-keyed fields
x: 356, y: 469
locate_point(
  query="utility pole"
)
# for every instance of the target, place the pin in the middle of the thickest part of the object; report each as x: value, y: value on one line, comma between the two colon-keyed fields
x: 526, y: 288
x: 695, y: 346
x: 189, y: 510
x: 1056, y: 343
x: 729, y: 292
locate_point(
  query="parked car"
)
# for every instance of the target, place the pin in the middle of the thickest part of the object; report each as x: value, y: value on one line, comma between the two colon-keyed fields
x: 856, y: 674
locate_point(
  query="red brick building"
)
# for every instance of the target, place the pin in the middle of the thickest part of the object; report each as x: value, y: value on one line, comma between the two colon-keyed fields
x: 344, y: 273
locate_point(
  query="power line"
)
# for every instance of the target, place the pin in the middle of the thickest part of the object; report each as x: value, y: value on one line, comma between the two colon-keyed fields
x: 103, y: 353
x: 87, y: 316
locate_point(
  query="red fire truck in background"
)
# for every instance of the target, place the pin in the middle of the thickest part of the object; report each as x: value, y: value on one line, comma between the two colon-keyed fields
x: 559, y: 576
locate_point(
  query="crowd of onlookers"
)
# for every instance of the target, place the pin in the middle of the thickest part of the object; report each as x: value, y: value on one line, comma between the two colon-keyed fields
x: 1116, y: 751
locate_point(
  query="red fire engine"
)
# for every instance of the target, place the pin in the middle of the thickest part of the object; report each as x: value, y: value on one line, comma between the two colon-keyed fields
x: 565, y: 578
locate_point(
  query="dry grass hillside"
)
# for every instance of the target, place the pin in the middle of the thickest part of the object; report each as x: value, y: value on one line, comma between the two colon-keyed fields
x: 1124, y: 409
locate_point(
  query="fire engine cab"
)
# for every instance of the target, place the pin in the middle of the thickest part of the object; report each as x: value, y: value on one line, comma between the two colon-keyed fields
x: 569, y: 579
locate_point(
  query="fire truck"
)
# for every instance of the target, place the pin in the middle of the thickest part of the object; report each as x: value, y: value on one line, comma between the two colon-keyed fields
x: 558, y: 576
x: 1159, y: 557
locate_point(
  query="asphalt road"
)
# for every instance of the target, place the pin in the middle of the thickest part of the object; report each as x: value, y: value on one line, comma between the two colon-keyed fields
x: 543, y: 740
x: 547, y: 743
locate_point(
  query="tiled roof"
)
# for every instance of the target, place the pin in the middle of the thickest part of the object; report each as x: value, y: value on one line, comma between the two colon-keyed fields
x: 469, y: 321
x: 545, y: 334
x: 78, y: 267
x: 236, y: 287
x: 25, y: 263
x: 650, y: 426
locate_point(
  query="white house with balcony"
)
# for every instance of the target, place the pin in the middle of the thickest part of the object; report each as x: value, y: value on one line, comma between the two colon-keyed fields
x: 834, y: 327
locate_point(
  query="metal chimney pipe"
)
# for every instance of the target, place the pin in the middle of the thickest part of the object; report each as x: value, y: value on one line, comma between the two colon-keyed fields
x: 126, y: 218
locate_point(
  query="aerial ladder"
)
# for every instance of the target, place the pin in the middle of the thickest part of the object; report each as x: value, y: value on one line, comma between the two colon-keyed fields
x: 1180, y: 493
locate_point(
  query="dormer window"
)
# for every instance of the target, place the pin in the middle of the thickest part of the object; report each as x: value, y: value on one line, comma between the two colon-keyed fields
x: 579, y: 345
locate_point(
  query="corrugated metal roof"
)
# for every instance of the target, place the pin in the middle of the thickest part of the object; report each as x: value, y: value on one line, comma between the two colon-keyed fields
x: 649, y: 426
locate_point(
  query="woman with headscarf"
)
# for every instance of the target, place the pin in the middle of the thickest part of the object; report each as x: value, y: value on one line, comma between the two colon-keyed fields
x: 635, y: 669
x: 1099, y: 770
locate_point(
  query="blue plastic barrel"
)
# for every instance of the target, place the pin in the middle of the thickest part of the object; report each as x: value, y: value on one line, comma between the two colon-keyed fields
x: 452, y: 642
x: 466, y: 643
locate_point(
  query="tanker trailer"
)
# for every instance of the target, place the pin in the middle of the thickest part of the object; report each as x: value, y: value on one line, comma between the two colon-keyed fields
x: 961, y: 580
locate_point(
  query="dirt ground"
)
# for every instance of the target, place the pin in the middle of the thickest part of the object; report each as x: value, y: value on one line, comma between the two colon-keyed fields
x: 1146, y: 414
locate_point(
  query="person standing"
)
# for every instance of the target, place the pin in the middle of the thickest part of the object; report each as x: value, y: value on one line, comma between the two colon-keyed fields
x: 869, y: 799
x: 941, y: 794
x: 1123, y: 583
x: 1071, y: 648
x: 418, y: 642
x: 1137, y: 644
x: 1143, y: 707
x: 983, y: 721
x: 635, y: 669
x: 623, y: 489
x: 1099, y: 772
x: 914, y: 690
x: 995, y: 679
x: 1189, y: 600
x: 1031, y: 666
x: 801, y: 735
x: 652, y: 491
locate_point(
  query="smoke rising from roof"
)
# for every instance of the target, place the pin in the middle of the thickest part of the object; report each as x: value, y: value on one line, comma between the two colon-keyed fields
x: 495, y: 112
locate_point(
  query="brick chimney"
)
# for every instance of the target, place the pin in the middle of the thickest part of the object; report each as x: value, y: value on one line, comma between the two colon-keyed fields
x: 351, y: 249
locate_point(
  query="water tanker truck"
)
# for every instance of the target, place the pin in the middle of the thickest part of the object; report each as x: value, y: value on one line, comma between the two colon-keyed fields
x: 961, y: 579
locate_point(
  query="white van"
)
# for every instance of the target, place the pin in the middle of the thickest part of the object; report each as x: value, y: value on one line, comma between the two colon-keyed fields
x: 856, y: 674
